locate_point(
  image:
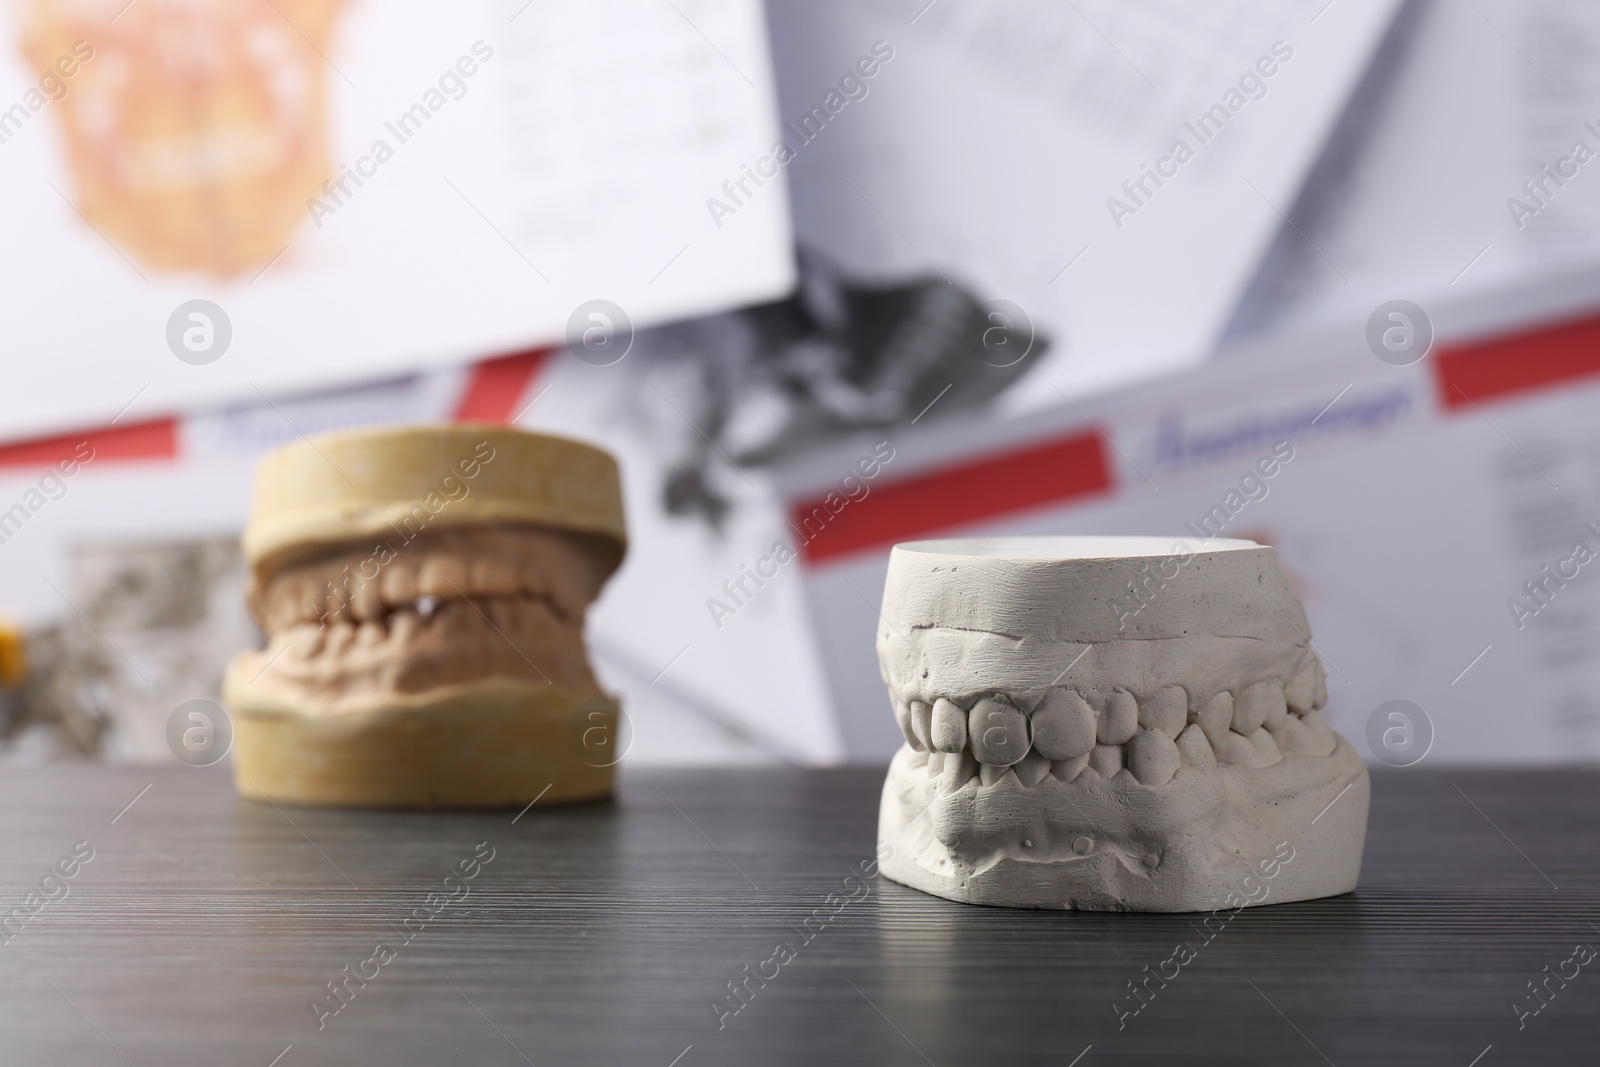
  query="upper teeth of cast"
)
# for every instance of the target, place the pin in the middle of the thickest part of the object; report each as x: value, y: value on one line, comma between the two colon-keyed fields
x: 1066, y: 734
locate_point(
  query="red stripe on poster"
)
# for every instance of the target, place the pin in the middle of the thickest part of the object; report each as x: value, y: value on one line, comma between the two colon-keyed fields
x: 156, y: 439
x: 1518, y: 363
x: 952, y: 496
x: 497, y: 386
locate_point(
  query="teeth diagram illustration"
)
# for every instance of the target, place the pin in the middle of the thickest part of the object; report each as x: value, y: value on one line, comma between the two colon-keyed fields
x: 1064, y: 751
x: 198, y: 132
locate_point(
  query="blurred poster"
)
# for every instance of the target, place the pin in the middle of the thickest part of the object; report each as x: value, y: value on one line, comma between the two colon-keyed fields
x: 1115, y: 170
x: 215, y: 200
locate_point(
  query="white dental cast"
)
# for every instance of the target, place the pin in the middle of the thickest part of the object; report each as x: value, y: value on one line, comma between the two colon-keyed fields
x: 1064, y: 751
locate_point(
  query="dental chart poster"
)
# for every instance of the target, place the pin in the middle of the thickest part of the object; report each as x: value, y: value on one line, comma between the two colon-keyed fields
x: 220, y: 201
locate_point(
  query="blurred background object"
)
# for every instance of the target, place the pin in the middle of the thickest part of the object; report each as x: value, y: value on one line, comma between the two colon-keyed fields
x: 148, y: 626
x: 761, y: 385
x: 824, y: 276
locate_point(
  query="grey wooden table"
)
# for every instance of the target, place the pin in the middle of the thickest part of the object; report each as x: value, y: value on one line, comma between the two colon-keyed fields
x: 204, y: 929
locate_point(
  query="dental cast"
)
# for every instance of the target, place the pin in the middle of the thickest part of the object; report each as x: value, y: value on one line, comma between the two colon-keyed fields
x: 424, y: 617
x: 1060, y: 756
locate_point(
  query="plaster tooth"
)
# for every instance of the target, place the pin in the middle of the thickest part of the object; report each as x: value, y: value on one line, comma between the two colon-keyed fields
x: 340, y: 637
x: 1233, y: 748
x: 1252, y: 706
x: 318, y: 604
x: 1319, y: 698
x: 333, y: 603
x: 305, y: 640
x: 1292, y: 735
x: 1068, y: 769
x: 1063, y: 725
x: 949, y: 726
x: 1032, y: 769
x: 288, y: 597
x: 531, y: 579
x: 476, y: 645
x: 902, y: 716
x: 506, y: 613
x: 1263, y: 749
x: 1166, y: 711
x: 1216, y: 718
x: 1278, y: 708
x: 1121, y: 719
x: 1106, y: 760
x: 1300, y: 692
x: 454, y: 617
x: 370, y: 635
x: 493, y: 577
x: 442, y: 576
x: 1194, y: 749
x: 998, y: 731
x: 366, y: 603
x: 957, y: 772
x: 1153, y: 757
x: 340, y: 604
x: 1323, y: 740
x: 398, y: 581
x: 477, y: 616
x: 989, y: 774
x: 921, y: 726
x: 1277, y: 704
x: 403, y: 626
x: 448, y: 633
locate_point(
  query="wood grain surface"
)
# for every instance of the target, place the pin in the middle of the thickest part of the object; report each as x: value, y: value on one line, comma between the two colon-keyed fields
x: 204, y: 925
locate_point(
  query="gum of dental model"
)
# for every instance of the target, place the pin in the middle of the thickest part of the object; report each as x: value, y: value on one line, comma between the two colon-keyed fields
x: 1109, y: 724
x: 423, y: 593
